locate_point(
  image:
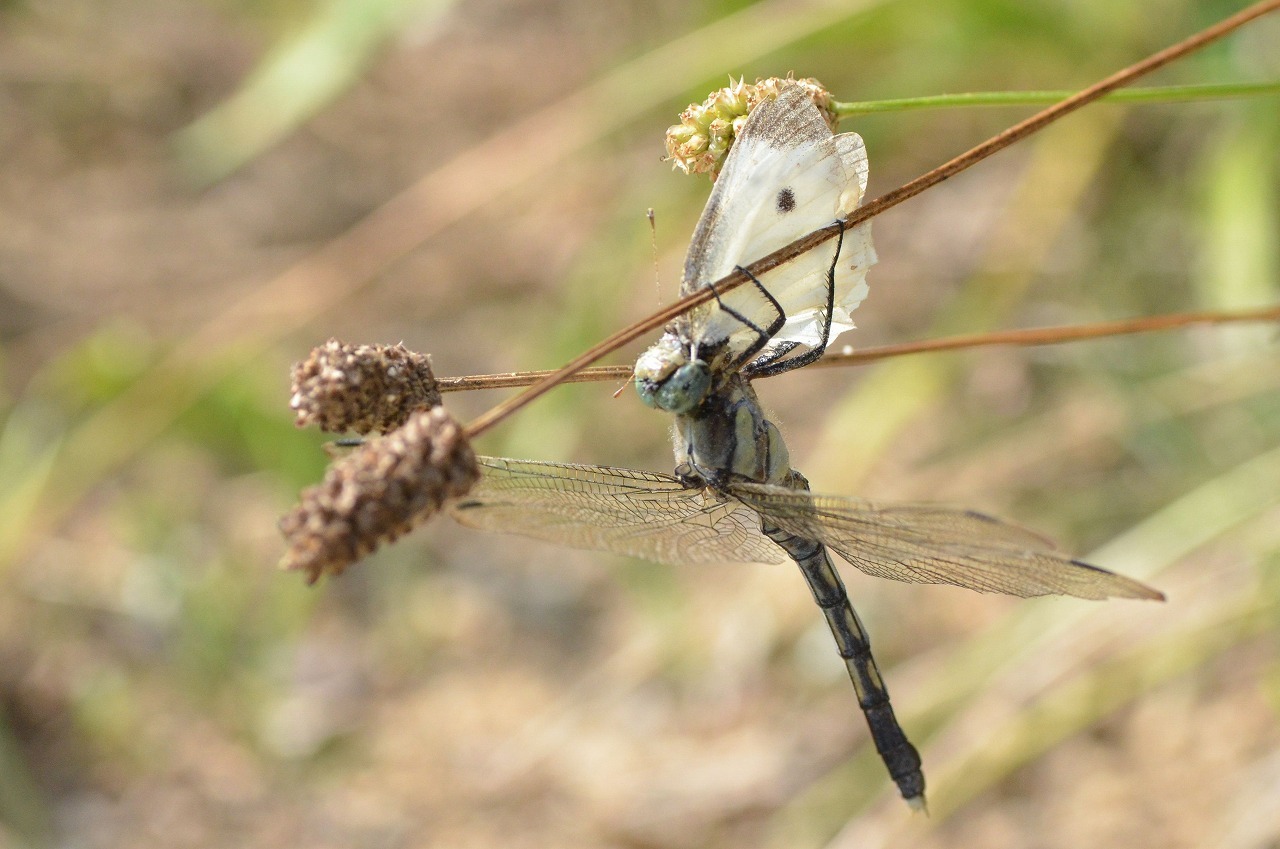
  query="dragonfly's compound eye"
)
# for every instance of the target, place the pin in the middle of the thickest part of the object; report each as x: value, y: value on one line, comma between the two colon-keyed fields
x: 647, y: 389
x: 658, y: 365
x: 685, y: 388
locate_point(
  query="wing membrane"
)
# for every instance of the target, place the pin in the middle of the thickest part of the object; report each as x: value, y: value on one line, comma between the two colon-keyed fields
x: 627, y: 511
x: 932, y: 544
x: 656, y: 517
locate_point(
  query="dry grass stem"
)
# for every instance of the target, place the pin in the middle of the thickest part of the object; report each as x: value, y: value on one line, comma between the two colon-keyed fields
x: 1020, y: 337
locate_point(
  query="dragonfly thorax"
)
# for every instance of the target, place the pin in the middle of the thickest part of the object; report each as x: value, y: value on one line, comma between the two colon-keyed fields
x: 670, y: 377
x: 729, y: 438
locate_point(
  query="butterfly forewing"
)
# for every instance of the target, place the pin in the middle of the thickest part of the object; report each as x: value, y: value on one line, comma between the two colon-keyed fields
x: 785, y: 177
x: 925, y: 543
x: 602, y: 508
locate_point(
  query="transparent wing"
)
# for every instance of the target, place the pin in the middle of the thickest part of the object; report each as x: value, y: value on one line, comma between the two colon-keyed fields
x: 931, y: 544
x: 642, y: 514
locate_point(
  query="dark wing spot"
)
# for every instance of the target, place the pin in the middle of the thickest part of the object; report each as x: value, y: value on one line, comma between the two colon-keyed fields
x: 786, y: 200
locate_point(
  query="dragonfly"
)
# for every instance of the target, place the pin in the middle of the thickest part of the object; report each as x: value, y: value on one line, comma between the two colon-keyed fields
x: 733, y: 495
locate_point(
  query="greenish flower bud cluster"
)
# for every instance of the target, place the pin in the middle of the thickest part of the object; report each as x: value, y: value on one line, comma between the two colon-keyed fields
x: 701, y: 141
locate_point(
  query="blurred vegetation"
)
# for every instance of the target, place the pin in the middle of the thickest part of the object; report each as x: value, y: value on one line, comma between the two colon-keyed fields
x: 192, y: 195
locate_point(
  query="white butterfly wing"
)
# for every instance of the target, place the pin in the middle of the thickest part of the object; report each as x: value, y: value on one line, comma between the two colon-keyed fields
x: 786, y: 176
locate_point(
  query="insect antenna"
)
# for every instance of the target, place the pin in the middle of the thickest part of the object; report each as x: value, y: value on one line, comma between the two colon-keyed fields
x: 653, y: 249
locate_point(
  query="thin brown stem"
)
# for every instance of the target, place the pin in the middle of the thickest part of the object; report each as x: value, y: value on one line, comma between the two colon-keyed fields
x: 1054, y: 335
x: 1024, y: 337
x: 513, y: 379
x: 890, y: 199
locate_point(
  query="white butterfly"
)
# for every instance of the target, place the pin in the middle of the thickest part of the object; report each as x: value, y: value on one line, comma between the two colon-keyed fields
x: 785, y: 177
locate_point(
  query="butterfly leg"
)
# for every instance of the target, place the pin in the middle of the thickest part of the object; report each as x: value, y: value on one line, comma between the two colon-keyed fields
x: 773, y: 362
x: 899, y: 756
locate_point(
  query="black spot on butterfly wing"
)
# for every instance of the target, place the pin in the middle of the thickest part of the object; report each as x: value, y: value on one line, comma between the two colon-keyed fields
x: 786, y: 200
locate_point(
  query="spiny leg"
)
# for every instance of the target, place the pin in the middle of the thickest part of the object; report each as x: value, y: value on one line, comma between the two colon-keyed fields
x: 899, y: 756
x: 763, y: 335
x: 773, y: 363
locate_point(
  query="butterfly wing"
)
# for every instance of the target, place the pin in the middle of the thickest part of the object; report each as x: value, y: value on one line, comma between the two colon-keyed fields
x: 786, y: 176
x: 627, y: 511
x: 934, y: 544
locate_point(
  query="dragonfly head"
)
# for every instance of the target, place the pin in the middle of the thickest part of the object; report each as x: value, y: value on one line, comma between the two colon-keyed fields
x: 670, y: 378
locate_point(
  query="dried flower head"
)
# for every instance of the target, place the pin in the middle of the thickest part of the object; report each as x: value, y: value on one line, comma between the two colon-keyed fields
x: 701, y: 141
x: 361, y: 388
x: 384, y: 489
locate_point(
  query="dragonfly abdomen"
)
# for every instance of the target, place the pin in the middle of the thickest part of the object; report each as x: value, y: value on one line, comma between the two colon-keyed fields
x: 897, y: 752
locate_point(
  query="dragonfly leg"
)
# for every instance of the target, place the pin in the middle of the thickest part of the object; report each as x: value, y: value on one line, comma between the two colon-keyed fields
x: 899, y: 756
x: 773, y: 362
x: 763, y: 334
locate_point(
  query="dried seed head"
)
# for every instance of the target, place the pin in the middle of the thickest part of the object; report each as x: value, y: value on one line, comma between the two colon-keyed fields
x: 361, y: 388
x: 701, y: 141
x: 384, y: 489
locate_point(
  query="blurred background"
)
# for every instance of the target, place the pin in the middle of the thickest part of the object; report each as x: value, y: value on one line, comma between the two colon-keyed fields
x: 194, y: 194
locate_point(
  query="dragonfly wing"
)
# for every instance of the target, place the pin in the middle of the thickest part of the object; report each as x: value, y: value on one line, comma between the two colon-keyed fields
x: 627, y: 511
x: 933, y: 544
